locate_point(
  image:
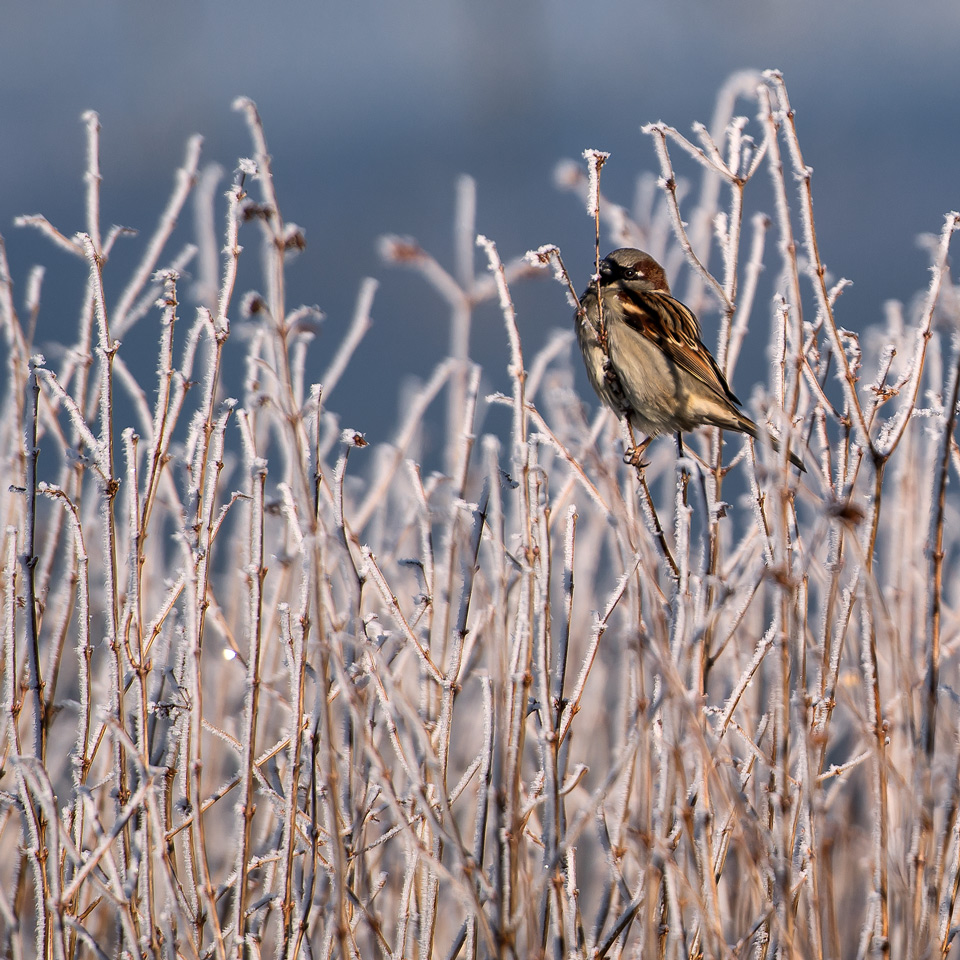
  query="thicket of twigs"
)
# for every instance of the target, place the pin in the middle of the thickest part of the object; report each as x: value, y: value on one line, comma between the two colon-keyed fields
x: 266, y: 692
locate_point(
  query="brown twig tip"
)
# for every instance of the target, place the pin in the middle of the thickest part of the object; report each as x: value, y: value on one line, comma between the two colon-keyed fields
x: 596, y: 158
x: 251, y: 210
x: 542, y: 255
x: 353, y: 438
x: 395, y: 249
x: 846, y: 511
x: 252, y: 304
x: 166, y: 275
x: 549, y: 256
x: 294, y: 238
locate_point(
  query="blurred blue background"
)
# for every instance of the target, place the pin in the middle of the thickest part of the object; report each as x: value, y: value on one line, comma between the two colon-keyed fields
x: 373, y: 108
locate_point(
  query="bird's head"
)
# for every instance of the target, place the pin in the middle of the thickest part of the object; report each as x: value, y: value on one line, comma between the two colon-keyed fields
x: 633, y: 269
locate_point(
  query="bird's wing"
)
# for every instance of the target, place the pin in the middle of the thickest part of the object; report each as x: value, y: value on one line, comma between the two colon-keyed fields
x: 674, y: 329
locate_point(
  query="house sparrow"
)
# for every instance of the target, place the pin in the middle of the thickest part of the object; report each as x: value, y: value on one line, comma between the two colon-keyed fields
x: 653, y: 370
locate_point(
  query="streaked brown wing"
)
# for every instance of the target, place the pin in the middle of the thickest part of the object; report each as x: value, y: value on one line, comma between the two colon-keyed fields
x: 675, y: 330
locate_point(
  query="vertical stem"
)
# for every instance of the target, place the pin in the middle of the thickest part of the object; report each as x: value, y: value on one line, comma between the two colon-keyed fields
x: 255, y: 574
x: 28, y: 562
x: 932, y: 674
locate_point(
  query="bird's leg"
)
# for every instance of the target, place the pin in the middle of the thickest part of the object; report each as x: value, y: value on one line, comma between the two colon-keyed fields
x: 633, y: 456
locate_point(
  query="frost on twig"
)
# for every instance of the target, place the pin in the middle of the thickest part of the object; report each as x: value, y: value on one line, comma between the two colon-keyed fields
x: 442, y: 687
x: 595, y: 161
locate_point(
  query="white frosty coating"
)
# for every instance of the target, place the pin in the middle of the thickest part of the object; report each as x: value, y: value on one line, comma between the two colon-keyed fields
x: 595, y: 160
x: 569, y: 533
x: 496, y: 268
x: 558, y: 343
x: 652, y: 695
x: 465, y: 505
x: 417, y: 407
x: 370, y: 568
x: 596, y: 632
x: 92, y: 176
x: 759, y: 653
x: 71, y: 245
x: 893, y: 428
x: 353, y: 438
x: 515, y: 369
x: 32, y: 293
x: 162, y: 275
x: 186, y: 178
x: 395, y: 248
x: 542, y: 255
x: 73, y: 411
x: 709, y: 157
x: 782, y: 311
x: 681, y: 527
x: 710, y: 148
x: 884, y: 361
x: 293, y: 230
x: 549, y: 255
x: 839, y: 769
x: 247, y: 166
x: 359, y: 325
x: 252, y: 302
x: 837, y: 289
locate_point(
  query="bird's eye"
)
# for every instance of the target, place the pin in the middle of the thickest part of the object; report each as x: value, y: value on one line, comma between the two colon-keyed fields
x: 630, y: 274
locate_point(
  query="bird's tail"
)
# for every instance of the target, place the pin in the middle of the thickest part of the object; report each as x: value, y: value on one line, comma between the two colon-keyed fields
x: 749, y: 427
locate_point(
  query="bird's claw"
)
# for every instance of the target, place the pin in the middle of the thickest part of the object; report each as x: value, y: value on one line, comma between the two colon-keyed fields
x: 633, y: 457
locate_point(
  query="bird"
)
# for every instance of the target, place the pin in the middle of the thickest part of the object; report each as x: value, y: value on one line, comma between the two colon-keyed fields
x: 647, y: 361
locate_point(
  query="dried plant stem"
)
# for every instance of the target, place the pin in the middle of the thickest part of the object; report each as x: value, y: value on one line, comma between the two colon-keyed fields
x: 185, y: 181
x: 519, y: 678
x: 36, y: 747
x: 255, y: 573
x: 784, y: 120
x: 650, y: 510
x: 340, y: 721
x: 923, y: 861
